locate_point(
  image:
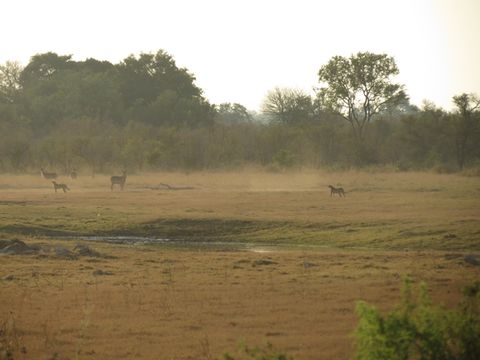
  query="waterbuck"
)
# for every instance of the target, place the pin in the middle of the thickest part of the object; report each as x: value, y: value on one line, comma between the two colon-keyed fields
x: 119, y: 180
x: 334, y: 190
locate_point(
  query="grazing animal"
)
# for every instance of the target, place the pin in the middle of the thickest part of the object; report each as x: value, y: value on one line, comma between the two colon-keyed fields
x: 48, y: 176
x: 334, y: 190
x: 73, y: 174
x: 64, y: 187
x: 119, y: 180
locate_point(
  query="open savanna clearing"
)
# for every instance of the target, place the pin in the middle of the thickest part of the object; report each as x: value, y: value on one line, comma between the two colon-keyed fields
x: 380, y: 210
x: 164, y: 302
x: 154, y: 303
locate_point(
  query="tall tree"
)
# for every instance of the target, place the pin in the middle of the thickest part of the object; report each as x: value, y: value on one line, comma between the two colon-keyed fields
x: 288, y: 106
x: 44, y: 67
x: 10, y: 90
x: 424, y: 137
x: 9, y: 81
x: 467, y: 125
x: 233, y: 113
x: 44, y: 95
x: 359, y: 87
x: 157, y: 91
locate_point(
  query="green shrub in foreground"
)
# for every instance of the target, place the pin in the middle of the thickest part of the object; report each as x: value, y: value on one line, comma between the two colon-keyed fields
x: 418, y: 329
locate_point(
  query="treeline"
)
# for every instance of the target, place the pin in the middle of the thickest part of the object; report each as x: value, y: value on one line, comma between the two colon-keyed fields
x: 145, y: 113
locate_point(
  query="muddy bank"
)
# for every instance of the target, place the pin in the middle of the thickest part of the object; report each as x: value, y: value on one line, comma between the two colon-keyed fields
x: 19, y: 247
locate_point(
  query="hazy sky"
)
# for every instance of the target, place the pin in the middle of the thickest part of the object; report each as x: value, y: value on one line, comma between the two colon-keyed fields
x: 238, y: 50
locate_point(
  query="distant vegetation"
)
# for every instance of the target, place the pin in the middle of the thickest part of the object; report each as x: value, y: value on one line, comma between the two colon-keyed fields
x: 145, y: 113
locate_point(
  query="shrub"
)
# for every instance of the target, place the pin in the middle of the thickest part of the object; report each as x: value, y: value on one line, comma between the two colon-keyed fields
x: 418, y: 329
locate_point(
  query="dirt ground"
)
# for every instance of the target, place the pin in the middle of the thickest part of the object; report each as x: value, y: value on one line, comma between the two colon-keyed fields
x: 157, y: 302
x: 151, y: 302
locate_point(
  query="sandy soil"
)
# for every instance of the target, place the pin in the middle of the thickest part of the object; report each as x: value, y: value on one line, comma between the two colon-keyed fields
x: 155, y: 303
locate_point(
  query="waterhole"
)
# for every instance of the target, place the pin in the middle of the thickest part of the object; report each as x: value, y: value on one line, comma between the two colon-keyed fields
x: 180, y: 243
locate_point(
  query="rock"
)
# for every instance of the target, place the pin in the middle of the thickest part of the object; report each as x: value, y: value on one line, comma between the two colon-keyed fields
x: 16, y: 247
x: 102, y: 272
x: 472, y: 259
x: 84, y: 250
x: 64, y: 253
x: 4, y: 243
x: 307, y: 264
x: 450, y: 236
x: 263, y: 262
x: 452, y: 256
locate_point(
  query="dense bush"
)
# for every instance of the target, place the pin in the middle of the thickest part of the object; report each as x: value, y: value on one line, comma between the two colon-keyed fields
x: 418, y: 329
x: 145, y: 113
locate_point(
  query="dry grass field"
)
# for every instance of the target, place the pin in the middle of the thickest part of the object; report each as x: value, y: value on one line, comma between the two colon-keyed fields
x: 382, y: 210
x: 311, y: 257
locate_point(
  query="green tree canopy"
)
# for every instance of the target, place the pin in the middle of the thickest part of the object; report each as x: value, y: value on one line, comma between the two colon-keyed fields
x: 149, y: 88
x: 157, y: 91
x: 467, y: 126
x: 9, y: 81
x: 44, y: 67
x: 233, y: 113
x: 359, y: 87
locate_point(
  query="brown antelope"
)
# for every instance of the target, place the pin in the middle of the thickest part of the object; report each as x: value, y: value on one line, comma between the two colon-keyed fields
x: 73, y: 174
x: 48, y: 176
x: 334, y: 190
x: 119, y: 180
x: 64, y: 187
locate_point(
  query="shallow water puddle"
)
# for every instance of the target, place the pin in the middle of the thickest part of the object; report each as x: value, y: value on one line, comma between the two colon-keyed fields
x: 179, y: 243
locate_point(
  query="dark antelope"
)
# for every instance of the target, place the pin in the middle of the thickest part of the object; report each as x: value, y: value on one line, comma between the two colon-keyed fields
x: 56, y: 186
x: 119, y: 180
x: 334, y: 190
x: 47, y: 175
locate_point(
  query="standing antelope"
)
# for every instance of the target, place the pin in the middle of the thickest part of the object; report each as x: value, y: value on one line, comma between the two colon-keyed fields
x: 119, y: 180
x: 339, y: 191
x: 48, y: 176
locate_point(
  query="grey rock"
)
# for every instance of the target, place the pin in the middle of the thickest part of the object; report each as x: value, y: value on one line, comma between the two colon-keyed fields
x: 102, y: 272
x: 84, y: 250
x: 472, y: 259
x: 64, y: 253
x: 16, y: 247
x: 263, y: 262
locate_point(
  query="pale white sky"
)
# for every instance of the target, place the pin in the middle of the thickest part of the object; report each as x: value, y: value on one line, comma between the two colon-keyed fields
x: 240, y: 49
